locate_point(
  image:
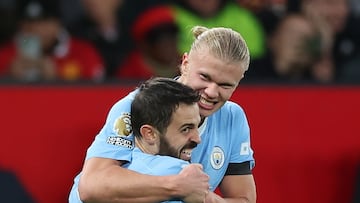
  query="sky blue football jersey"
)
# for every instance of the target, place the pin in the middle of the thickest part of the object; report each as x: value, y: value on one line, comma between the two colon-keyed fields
x: 146, y: 164
x: 225, y: 139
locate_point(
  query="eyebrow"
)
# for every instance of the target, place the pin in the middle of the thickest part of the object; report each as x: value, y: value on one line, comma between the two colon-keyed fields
x: 187, y: 125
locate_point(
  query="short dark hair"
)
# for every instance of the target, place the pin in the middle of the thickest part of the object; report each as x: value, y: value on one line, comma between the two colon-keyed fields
x: 156, y: 101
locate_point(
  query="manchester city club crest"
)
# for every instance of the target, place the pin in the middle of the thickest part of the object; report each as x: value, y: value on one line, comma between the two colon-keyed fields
x: 217, y: 158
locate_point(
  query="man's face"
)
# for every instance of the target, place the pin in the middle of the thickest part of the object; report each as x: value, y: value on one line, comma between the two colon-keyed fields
x: 215, y: 79
x: 46, y: 29
x: 182, y: 133
x: 334, y: 12
x: 290, y: 45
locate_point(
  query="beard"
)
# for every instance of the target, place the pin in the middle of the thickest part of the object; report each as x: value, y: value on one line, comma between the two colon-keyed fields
x: 167, y: 150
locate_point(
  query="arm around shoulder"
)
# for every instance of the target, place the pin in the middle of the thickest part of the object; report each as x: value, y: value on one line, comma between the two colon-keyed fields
x: 104, y: 180
x: 238, y: 188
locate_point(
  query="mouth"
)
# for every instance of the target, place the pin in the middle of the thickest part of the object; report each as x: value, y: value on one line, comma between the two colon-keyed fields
x: 185, y: 154
x: 206, y: 104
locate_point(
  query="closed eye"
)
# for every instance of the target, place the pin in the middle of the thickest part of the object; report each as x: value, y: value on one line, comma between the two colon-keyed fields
x: 205, y: 77
x: 226, y: 86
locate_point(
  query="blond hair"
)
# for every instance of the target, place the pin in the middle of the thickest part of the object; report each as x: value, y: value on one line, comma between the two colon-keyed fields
x: 224, y: 43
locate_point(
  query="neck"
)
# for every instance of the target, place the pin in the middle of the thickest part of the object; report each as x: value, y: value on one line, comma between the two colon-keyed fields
x: 144, y: 147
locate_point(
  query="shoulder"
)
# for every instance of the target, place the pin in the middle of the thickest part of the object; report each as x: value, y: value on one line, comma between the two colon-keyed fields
x: 230, y: 112
x: 232, y: 108
x: 125, y: 102
x: 119, y: 114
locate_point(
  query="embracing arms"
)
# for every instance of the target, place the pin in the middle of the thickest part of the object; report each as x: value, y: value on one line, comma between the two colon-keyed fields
x: 104, y: 180
x: 235, y: 189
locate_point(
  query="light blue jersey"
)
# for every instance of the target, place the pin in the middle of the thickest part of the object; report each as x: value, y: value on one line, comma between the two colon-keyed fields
x: 155, y: 165
x: 225, y: 139
x: 145, y: 164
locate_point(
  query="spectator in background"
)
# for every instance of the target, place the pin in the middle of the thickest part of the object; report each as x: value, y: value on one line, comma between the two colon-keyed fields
x: 330, y: 17
x: 42, y: 50
x: 269, y: 12
x: 155, y: 34
x: 338, y: 25
x: 223, y: 13
x: 356, y: 194
x: 347, y: 48
x: 343, y: 25
x: 11, y: 189
x: 7, y: 19
x: 100, y: 24
x: 294, y: 48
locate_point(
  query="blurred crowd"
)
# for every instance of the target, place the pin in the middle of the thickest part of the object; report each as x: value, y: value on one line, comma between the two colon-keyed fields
x: 290, y: 41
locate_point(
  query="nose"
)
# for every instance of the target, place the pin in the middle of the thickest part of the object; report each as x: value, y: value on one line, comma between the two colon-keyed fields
x: 212, y: 90
x: 196, y: 137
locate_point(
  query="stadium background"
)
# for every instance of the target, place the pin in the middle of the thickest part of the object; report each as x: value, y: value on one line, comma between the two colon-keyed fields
x: 306, y: 138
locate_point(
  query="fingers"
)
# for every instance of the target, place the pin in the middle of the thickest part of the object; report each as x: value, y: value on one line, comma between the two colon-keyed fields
x: 192, y: 165
x: 206, y: 193
x: 197, y: 165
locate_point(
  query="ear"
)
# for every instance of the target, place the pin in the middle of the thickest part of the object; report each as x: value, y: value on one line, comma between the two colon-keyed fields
x: 149, y: 134
x: 184, y: 62
x: 184, y: 57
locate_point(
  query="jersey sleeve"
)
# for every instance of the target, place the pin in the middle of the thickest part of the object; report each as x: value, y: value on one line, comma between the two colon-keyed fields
x: 241, y: 149
x: 157, y: 165
x: 115, y: 140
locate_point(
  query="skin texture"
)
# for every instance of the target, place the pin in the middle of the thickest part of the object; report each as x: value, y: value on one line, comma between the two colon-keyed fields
x: 215, y: 80
x: 182, y: 133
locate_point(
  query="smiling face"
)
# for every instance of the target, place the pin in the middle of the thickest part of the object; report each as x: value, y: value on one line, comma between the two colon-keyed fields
x: 213, y: 78
x: 182, y: 134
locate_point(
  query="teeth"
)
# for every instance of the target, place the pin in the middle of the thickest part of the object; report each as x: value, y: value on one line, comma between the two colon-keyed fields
x: 202, y: 100
x: 186, y: 152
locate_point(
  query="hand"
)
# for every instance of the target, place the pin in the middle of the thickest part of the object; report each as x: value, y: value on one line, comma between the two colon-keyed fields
x: 193, y: 183
x: 24, y: 68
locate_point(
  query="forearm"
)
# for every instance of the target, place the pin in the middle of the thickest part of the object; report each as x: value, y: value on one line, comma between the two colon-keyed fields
x: 238, y: 188
x: 237, y: 200
x: 214, y: 198
x: 106, y: 181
